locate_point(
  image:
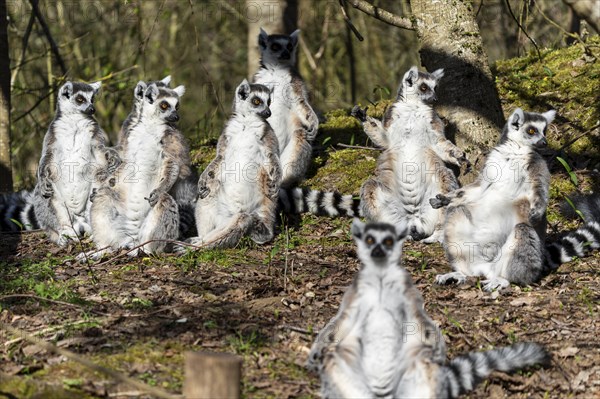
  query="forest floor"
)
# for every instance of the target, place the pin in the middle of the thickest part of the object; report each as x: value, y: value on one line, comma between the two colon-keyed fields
x: 139, y: 316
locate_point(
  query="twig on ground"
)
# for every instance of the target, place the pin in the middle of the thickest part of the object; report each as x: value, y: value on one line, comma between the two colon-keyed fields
x: 359, y: 147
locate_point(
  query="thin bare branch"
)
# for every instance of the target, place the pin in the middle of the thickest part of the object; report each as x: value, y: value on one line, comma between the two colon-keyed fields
x: 381, y: 14
x: 46, y: 29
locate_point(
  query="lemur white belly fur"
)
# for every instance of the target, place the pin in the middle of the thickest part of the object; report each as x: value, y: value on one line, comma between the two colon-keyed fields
x: 281, y: 108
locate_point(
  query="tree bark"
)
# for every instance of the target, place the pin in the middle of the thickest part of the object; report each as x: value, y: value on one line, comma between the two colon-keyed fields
x: 6, y: 182
x: 449, y: 38
x: 274, y: 16
x: 588, y: 10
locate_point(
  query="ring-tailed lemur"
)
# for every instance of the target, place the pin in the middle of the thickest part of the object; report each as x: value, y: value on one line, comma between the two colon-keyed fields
x: 496, y: 226
x: 381, y: 343
x: 292, y: 118
x: 136, y: 204
x: 412, y: 165
x: 185, y: 191
x: 238, y: 189
x: 138, y: 100
x: 74, y: 159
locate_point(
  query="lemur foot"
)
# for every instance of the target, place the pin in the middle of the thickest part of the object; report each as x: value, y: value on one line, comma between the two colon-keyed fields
x: 495, y: 283
x: 439, y: 201
x: 359, y: 113
x: 448, y: 278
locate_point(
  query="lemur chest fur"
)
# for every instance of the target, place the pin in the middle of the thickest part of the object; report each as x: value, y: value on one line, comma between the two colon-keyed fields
x: 380, y: 300
x: 410, y: 136
x: 506, y: 170
x: 243, y: 159
x: 73, y: 160
x: 282, y: 100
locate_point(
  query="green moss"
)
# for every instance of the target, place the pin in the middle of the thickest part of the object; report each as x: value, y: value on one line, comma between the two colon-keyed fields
x: 566, y: 80
x: 344, y: 170
x: 30, y: 387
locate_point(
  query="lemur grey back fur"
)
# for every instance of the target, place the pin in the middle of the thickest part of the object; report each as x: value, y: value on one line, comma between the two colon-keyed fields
x: 74, y: 159
x: 381, y: 343
x: 412, y: 165
x: 292, y: 118
x: 136, y: 204
x: 238, y: 190
x: 496, y: 226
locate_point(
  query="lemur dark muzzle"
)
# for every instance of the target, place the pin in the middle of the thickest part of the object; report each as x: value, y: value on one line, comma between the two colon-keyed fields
x: 266, y: 113
x: 541, y: 143
x: 172, y: 118
x: 377, y: 252
x: 90, y: 110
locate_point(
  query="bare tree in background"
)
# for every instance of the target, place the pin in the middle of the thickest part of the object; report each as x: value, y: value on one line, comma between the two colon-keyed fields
x: 449, y: 38
x: 6, y: 183
x: 274, y: 16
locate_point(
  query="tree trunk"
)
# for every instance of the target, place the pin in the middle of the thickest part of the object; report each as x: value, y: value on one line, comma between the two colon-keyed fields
x: 449, y: 38
x: 274, y: 16
x: 6, y: 183
x: 588, y: 10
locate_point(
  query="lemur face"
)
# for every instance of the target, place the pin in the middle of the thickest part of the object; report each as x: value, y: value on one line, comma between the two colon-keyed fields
x: 140, y: 88
x: 529, y: 128
x: 420, y: 85
x: 378, y: 243
x: 162, y: 102
x: 252, y: 98
x: 278, y: 49
x: 76, y: 97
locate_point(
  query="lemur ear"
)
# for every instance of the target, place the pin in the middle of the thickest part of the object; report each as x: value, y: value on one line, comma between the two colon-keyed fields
x: 96, y: 86
x: 549, y: 116
x: 243, y: 90
x: 151, y: 93
x: 139, y: 90
x: 438, y: 73
x: 295, y: 35
x: 517, y: 118
x: 357, y: 228
x: 262, y: 38
x: 411, y: 75
x: 166, y: 80
x: 66, y: 90
x: 180, y: 90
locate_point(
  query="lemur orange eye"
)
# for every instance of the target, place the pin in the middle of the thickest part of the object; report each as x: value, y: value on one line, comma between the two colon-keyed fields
x: 370, y: 240
x: 164, y: 105
x: 388, y: 242
x: 80, y: 99
x: 256, y: 101
x: 423, y: 88
x: 532, y: 131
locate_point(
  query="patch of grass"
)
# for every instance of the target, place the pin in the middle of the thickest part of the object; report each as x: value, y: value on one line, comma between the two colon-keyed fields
x: 246, y: 343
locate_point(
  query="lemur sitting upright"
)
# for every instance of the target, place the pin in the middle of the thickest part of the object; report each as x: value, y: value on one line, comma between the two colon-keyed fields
x: 135, y: 205
x: 238, y: 190
x: 496, y: 227
x: 74, y: 159
x: 382, y: 344
x: 411, y: 167
x: 292, y: 118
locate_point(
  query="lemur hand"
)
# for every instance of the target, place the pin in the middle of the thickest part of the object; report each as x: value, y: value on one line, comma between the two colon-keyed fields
x: 359, y: 113
x: 153, y: 197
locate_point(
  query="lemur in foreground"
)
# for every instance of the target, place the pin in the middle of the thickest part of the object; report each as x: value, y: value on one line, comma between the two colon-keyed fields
x: 381, y: 343
x: 496, y: 226
x: 74, y: 159
x: 136, y: 205
x: 412, y: 166
x: 238, y: 189
x: 292, y: 118
x: 185, y: 191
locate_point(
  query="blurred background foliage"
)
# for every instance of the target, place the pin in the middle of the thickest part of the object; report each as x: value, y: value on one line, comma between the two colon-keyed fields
x: 203, y: 45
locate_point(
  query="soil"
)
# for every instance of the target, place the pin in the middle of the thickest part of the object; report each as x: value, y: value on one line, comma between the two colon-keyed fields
x: 139, y: 316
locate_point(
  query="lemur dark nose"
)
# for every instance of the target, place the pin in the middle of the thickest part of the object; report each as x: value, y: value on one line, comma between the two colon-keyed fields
x: 266, y: 113
x: 285, y: 55
x: 377, y: 252
x: 172, y: 118
x: 91, y: 110
x: 541, y: 143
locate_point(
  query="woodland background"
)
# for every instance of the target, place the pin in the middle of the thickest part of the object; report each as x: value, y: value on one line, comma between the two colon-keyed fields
x: 205, y: 45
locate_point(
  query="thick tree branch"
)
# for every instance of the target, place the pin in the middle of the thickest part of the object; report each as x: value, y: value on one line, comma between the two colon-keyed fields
x: 381, y: 14
x: 36, y: 11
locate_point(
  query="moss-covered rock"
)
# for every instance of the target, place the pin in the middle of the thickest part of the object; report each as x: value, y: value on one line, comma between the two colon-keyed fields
x: 567, y: 80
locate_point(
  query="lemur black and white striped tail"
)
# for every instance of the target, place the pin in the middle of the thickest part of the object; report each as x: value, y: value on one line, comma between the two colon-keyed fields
x: 16, y: 212
x: 463, y: 373
x: 580, y: 242
x: 300, y: 200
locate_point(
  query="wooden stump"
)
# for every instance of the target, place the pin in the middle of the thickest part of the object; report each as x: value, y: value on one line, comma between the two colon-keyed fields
x: 212, y: 375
